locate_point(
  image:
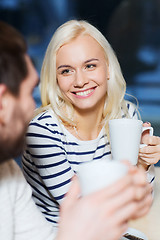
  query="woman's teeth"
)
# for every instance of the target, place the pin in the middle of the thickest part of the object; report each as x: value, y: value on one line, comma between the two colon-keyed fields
x: 84, y: 93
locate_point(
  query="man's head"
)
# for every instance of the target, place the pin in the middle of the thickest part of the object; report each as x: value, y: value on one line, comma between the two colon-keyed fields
x: 17, y: 81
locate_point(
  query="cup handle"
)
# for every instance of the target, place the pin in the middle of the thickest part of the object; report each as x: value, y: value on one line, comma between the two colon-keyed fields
x: 150, y: 133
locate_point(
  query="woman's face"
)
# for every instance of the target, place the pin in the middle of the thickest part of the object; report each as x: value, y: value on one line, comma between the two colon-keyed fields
x: 82, y: 73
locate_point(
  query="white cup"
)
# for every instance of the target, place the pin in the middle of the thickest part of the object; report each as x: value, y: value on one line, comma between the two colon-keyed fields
x: 96, y: 175
x: 125, y: 137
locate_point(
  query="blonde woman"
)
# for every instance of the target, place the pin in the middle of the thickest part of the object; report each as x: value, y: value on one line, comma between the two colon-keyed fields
x: 82, y: 88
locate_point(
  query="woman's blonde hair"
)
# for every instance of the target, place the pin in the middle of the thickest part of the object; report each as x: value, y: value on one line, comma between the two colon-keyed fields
x: 51, y: 95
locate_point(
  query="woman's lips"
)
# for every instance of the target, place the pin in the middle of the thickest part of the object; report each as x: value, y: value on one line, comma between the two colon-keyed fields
x: 85, y: 93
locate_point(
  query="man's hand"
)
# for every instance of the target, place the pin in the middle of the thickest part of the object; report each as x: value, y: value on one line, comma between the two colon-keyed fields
x: 104, y: 215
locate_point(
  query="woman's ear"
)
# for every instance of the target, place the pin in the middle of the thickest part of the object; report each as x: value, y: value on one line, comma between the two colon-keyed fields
x: 108, y: 73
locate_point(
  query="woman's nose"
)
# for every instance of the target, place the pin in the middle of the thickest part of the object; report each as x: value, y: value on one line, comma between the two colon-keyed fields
x: 80, y: 79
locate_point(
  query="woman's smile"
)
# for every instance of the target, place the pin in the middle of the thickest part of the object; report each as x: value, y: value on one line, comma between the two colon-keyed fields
x: 84, y: 93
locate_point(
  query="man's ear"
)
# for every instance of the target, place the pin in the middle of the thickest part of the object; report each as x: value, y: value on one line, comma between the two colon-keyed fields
x: 3, y: 89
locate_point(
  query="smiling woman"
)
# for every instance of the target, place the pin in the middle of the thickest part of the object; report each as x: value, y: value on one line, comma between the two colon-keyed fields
x: 82, y: 75
x: 82, y: 88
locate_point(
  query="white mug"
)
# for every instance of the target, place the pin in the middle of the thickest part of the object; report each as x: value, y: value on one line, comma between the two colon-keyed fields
x: 98, y: 174
x: 125, y: 136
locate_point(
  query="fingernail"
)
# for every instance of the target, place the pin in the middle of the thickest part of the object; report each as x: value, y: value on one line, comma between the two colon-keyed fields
x: 147, y: 122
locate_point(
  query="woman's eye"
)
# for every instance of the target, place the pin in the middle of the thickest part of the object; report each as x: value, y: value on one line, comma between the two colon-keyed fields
x: 91, y: 66
x: 65, y: 71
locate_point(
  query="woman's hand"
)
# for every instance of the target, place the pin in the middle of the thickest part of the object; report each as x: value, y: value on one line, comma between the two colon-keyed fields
x: 150, y: 154
x: 104, y: 215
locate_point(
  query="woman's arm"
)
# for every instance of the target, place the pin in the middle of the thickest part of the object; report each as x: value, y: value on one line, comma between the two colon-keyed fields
x: 45, y: 166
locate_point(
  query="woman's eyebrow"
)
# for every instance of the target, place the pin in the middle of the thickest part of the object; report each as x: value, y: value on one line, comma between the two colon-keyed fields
x: 63, y: 66
x: 92, y: 59
x: 89, y: 60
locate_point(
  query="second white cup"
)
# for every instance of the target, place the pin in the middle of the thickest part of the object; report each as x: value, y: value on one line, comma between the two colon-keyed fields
x: 96, y: 175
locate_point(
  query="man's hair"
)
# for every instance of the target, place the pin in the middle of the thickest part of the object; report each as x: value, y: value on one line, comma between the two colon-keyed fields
x: 13, y: 67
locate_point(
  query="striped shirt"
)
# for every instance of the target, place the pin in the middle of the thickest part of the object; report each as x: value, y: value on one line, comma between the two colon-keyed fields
x: 52, y: 156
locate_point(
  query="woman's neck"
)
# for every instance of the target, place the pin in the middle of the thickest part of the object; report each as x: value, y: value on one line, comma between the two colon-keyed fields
x: 88, y: 124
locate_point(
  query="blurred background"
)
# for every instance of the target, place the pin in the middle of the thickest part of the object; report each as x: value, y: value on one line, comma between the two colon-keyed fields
x: 131, y: 26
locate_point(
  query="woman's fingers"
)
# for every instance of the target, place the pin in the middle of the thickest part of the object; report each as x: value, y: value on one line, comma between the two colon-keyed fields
x: 151, y: 140
x: 151, y: 153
